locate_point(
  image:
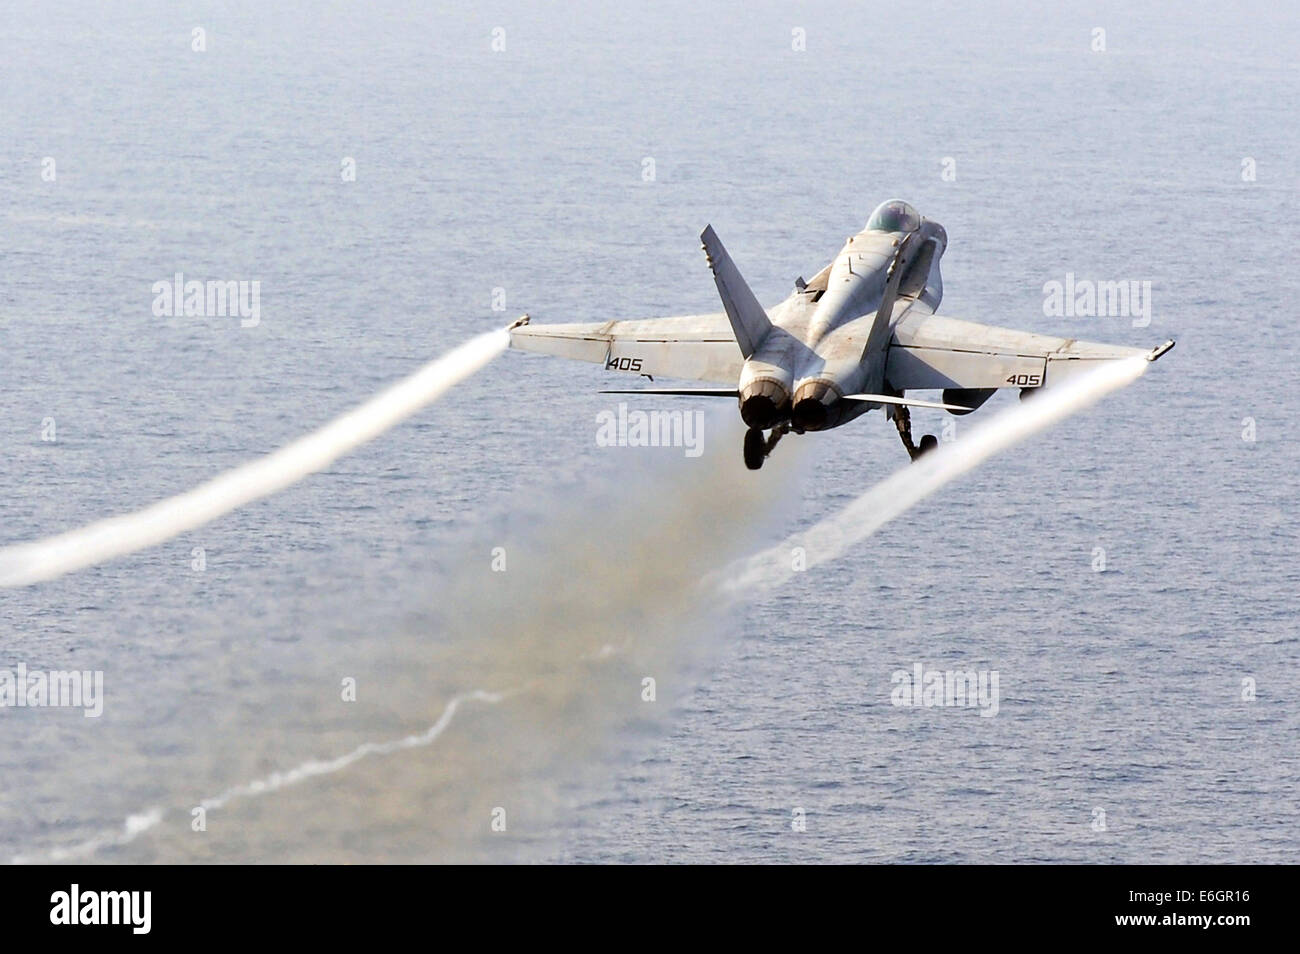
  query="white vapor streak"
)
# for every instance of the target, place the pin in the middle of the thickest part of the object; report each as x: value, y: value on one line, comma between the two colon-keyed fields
x: 899, y: 492
x: 25, y: 563
x: 132, y: 828
x: 136, y: 825
x: 278, y: 780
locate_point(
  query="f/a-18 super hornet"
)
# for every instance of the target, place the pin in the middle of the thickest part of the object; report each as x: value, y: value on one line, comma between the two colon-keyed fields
x: 860, y: 335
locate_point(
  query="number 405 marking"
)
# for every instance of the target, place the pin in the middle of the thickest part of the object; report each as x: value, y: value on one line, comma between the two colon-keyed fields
x: 623, y: 364
x: 1026, y: 380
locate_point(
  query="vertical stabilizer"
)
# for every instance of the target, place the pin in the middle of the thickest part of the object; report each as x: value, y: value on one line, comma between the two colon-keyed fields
x: 748, y: 319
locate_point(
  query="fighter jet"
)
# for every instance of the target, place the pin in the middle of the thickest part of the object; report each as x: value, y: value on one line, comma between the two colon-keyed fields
x: 860, y: 335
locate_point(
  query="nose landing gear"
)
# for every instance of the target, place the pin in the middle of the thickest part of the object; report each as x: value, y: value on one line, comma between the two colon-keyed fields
x: 758, y: 447
x: 755, y: 448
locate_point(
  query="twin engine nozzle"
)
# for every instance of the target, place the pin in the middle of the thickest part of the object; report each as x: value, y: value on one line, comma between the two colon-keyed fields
x: 766, y: 402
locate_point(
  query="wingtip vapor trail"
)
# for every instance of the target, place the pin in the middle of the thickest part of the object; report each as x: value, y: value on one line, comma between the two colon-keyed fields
x: 902, y: 490
x: 39, y: 560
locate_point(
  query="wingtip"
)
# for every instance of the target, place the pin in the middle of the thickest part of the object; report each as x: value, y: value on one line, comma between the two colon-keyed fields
x: 1157, y: 352
x: 708, y: 241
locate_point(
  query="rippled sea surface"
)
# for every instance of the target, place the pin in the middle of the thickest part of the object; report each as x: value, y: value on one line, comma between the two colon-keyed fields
x: 569, y: 175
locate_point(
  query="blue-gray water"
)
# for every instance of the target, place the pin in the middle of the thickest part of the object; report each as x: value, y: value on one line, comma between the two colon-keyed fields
x: 524, y: 170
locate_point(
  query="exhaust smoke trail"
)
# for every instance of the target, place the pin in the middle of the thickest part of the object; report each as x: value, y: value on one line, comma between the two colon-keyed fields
x: 601, y: 593
x: 25, y: 563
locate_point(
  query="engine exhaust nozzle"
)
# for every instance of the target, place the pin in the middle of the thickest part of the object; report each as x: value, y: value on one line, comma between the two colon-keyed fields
x: 812, y: 403
x: 764, y: 402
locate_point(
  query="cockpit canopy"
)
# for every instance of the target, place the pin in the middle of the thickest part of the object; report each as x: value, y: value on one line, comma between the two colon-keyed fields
x: 894, y: 216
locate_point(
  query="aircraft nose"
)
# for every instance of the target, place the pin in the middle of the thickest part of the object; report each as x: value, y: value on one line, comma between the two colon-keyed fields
x: 812, y: 401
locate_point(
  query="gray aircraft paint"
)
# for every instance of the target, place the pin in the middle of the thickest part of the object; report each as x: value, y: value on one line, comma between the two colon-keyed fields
x: 859, y: 336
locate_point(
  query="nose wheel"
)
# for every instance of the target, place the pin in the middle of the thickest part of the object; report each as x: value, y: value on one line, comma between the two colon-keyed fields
x: 757, y: 447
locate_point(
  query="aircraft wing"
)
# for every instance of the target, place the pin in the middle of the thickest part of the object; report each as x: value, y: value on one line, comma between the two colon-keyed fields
x: 694, y: 347
x: 931, y: 351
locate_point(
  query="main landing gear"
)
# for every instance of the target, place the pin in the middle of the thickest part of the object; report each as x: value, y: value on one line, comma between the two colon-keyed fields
x: 903, y: 421
x: 757, y: 447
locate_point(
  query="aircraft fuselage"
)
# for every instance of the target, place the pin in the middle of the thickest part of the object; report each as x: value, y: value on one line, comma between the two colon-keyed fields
x: 863, y: 333
x: 830, y: 338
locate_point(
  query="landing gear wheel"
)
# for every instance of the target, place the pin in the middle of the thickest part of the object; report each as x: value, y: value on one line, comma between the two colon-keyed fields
x: 755, y: 448
x: 928, y: 443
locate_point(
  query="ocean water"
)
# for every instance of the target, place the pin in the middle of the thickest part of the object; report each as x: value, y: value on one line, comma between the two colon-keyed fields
x: 492, y: 182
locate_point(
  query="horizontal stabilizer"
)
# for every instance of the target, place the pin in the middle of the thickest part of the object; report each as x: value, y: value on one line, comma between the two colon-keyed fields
x: 930, y: 352
x: 697, y: 392
x: 906, y: 402
x: 692, y: 347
